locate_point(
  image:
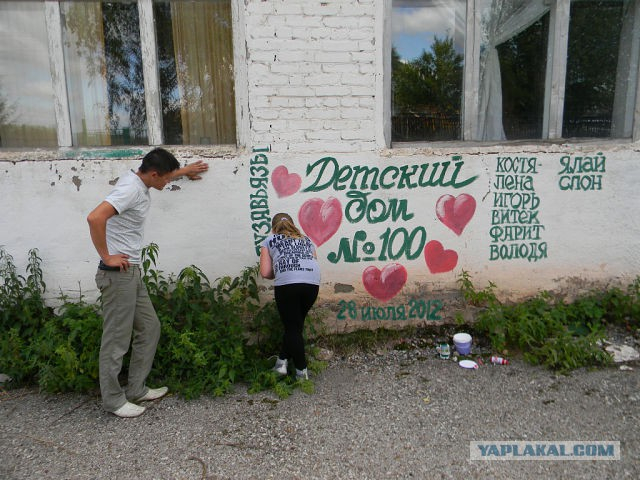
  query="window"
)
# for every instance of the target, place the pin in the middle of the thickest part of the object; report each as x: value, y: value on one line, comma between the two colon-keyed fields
x: 528, y: 69
x: 130, y: 73
x: 427, y: 62
x: 522, y: 72
x: 27, y: 117
x: 196, y: 71
x: 103, y: 67
x: 592, y: 60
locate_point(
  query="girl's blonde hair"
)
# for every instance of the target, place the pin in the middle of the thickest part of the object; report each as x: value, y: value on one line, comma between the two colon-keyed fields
x: 282, y: 224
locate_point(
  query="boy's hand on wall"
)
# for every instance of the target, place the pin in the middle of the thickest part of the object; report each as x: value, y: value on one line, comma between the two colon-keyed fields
x: 193, y: 170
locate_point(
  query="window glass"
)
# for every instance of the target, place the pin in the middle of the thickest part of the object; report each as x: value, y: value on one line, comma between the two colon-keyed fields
x: 195, y: 51
x: 513, y: 50
x: 522, y: 73
x: 599, y: 69
x: 27, y: 117
x: 427, y: 69
x: 103, y: 64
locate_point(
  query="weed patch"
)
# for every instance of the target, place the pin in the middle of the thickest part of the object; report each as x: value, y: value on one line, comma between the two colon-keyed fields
x: 214, y: 334
x: 550, y: 331
x: 217, y: 334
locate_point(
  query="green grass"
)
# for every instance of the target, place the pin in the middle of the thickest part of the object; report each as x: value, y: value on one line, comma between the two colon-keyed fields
x: 551, y: 331
x: 216, y: 334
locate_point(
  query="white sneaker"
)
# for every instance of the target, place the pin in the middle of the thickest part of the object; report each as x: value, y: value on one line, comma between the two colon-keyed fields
x: 281, y: 366
x: 302, y: 374
x: 129, y: 410
x: 153, y: 394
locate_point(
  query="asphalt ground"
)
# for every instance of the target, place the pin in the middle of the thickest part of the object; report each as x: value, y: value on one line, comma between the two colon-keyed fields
x: 387, y: 415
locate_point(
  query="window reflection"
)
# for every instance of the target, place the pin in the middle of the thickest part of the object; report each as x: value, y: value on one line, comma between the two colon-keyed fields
x: 522, y: 72
x: 515, y: 42
x: 512, y: 68
x: 597, y: 67
x: 105, y: 74
x: 27, y: 117
x: 427, y: 67
x: 103, y: 63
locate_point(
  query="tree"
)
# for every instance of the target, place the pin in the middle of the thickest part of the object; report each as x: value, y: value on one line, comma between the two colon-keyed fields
x: 169, y: 92
x: 431, y: 82
x: 7, y: 110
x: 592, y: 62
x: 119, y: 62
x: 427, y: 94
x: 523, y: 70
x: 125, y: 80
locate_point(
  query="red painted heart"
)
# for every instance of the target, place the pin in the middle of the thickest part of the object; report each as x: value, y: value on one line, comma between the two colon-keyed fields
x: 320, y: 219
x: 386, y: 283
x: 285, y: 183
x: 438, y: 259
x: 454, y: 212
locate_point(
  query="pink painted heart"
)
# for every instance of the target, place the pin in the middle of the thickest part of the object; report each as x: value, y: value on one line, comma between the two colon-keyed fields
x: 320, y: 219
x: 386, y: 283
x: 285, y: 183
x: 454, y: 212
x: 438, y: 259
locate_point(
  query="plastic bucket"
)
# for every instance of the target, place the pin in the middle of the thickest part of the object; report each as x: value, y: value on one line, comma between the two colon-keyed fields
x: 462, y: 341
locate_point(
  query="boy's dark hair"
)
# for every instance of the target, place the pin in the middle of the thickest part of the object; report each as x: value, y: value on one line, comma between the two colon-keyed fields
x: 159, y: 160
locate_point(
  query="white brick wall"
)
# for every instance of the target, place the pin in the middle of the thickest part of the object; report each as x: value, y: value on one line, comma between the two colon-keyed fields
x: 311, y: 74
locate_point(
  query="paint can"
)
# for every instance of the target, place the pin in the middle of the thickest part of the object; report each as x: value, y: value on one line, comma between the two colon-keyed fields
x: 462, y: 342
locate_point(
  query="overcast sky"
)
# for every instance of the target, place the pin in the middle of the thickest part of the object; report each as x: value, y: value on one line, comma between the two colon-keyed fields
x: 414, y: 28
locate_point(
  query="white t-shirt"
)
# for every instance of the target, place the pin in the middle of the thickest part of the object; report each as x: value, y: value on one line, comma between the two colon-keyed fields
x: 125, y: 231
x: 293, y: 260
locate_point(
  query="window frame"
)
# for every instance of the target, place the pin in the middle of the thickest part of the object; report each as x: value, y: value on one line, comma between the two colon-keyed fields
x: 53, y: 22
x: 557, y: 47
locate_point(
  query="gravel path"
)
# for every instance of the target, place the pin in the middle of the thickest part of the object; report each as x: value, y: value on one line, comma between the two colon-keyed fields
x: 397, y: 414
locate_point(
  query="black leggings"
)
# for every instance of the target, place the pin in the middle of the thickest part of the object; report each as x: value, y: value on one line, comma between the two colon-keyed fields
x: 294, y: 302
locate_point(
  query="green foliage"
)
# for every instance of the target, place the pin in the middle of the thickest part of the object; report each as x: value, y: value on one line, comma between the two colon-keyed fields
x: 57, y: 351
x: 67, y: 348
x: 430, y: 82
x: 485, y: 296
x: 21, y: 299
x: 216, y: 334
x: 548, y: 330
x: 213, y: 334
x: 23, y: 314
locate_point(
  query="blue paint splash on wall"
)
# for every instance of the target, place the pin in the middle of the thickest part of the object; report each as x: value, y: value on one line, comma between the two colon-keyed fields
x: 123, y: 153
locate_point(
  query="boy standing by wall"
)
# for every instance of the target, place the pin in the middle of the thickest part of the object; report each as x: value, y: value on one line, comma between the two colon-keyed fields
x: 116, y: 226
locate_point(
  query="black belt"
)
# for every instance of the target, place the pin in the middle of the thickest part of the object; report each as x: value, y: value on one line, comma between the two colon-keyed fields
x: 104, y: 266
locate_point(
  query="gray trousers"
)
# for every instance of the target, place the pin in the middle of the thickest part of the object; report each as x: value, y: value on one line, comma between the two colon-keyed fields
x: 128, y: 312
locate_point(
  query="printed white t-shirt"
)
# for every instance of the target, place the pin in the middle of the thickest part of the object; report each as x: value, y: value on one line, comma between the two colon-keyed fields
x: 125, y: 231
x: 293, y: 260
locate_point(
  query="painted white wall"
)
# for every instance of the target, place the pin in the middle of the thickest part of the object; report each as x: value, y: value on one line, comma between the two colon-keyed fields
x: 590, y: 235
x: 192, y: 222
x: 314, y: 81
